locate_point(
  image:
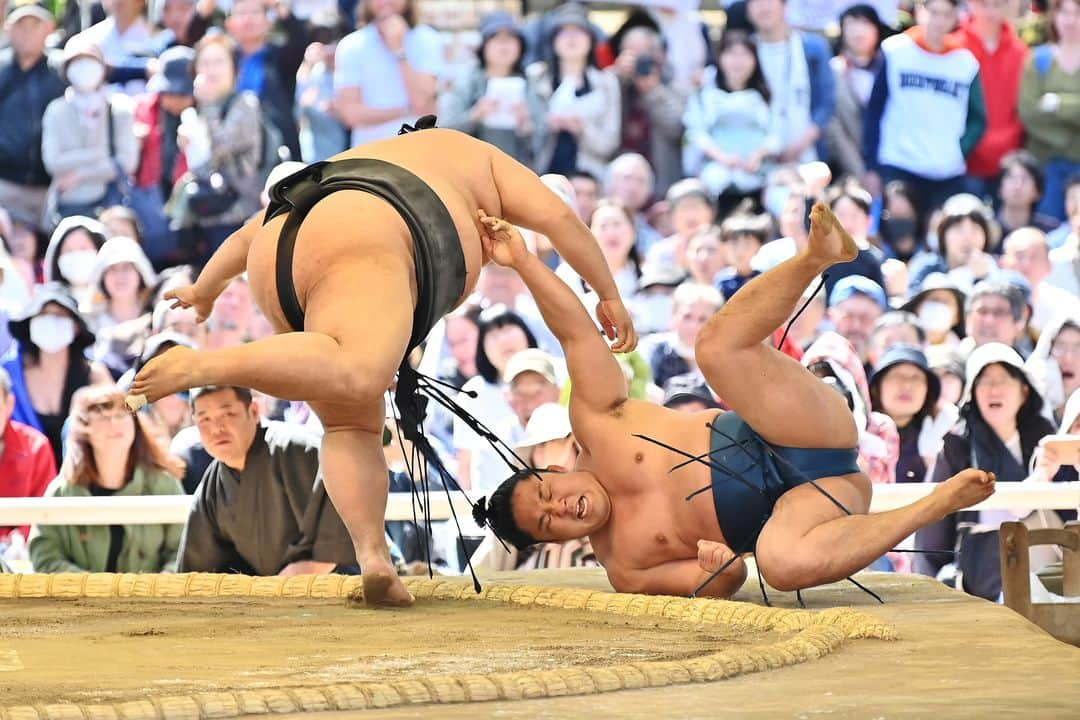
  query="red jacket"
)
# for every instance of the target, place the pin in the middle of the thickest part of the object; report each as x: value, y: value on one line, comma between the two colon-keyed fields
x: 148, y: 127
x: 1000, y: 74
x: 26, y: 466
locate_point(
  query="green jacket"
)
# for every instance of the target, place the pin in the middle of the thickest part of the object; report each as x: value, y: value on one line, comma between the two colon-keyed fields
x: 85, y: 548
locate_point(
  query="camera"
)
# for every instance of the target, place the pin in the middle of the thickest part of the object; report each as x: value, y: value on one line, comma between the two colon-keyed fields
x: 644, y: 66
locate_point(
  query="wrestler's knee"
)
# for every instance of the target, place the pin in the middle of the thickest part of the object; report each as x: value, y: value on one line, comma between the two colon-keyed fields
x: 788, y: 575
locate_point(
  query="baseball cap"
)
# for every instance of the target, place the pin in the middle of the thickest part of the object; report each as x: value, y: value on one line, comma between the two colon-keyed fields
x: 531, y: 360
x: 18, y: 9
x: 175, y: 76
x: 688, y: 188
x: 550, y: 421
x: 689, y: 387
x: 851, y: 285
x: 661, y: 274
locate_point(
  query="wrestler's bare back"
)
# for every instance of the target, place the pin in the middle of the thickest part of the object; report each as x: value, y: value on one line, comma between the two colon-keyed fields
x: 341, y: 229
x: 651, y: 522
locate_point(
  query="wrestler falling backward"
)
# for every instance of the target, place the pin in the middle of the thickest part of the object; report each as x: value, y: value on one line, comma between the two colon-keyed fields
x: 357, y: 257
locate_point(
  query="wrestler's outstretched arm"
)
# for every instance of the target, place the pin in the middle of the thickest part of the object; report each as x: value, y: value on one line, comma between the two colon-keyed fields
x: 227, y: 262
x: 528, y: 202
x: 599, y: 385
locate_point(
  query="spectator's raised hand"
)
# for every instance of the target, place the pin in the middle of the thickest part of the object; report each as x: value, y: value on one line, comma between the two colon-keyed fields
x: 392, y: 29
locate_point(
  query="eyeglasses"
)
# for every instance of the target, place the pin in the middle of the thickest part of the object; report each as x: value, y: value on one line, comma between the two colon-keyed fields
x: 996, y: 313
x: 104, y: 417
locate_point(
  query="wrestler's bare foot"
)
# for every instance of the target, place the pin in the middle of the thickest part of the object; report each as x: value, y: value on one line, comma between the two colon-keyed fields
x: 829, y: 243
x: 168, y: 373
x: 962, y: 490
x: 382, y: 586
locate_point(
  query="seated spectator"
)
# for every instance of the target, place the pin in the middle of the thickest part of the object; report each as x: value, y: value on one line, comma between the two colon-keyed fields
x: 586, y: 192
x: 27, y: 465
x: 87, y: 137
x: 126, y: 38
x: 896, y: 327
x: 385, y: 73
x: 268, y: 56
x: 47, y: 363
x: 967, y: 234
x: 855, y: 304
x: 31, y: 83
x: 261, y: 508
x: 652, y: 108
x: 939, y: 305
x: 926, y: 111
x: 995, y: 312
x: 1001, y: 426
x: 1054, y: 365
x: 705, y: 256
x: 834, y: 360
x: 689, y: 393
x: 161, y: 162
x: 613, y: 226
x: 741, y: 237
x: 109, y: 453
x: 854, y: 68
x: 502, y: 334
x: 123, y: 276
x: 630, y: 181
x: 1026, y: 252
x: 900, y: 226
x: 904, y: 388
x: 651, y: 306
x: 851, y: 204
x: 1049, y: 102
x: 1065, y: 259
x: 496, y: 102
x: 583, y: 102
x: 672, y: 353
x: 801, y: 85
x: 71, y: 254
x: 731, y: 133
x: 224, y: 140
x: 1019, y: 189
x: 689, y: 211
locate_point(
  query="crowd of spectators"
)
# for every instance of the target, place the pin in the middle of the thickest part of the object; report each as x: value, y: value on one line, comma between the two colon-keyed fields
x: 136, y: 136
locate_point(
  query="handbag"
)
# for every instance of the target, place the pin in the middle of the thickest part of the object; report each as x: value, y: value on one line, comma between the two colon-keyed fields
x: 209, y: 196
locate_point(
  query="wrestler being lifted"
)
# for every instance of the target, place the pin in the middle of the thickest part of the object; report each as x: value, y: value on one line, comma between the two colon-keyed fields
x: 650, y: 530
x: 352, y: 263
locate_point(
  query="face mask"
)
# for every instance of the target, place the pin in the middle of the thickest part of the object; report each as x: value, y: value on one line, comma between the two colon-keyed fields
x: 52, y: 333
x: 654, y: 313
x: 85, y: 74
x: 935, y: 315
x: 776, y: 197
x: 77, y: 267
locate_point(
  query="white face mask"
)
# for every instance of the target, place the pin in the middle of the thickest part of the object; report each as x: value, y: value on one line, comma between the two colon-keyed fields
x: 935, y: 315
x: 85, y: 74
x: 52, y: 333
x: 77, y: 266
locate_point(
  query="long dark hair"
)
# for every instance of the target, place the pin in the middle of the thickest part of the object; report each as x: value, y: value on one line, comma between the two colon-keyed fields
x: 1030, y: 413
x: 741, y: 38
x: 493, y: 318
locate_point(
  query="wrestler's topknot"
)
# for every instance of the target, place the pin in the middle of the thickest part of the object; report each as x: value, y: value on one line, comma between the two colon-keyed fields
x: 498, y: 513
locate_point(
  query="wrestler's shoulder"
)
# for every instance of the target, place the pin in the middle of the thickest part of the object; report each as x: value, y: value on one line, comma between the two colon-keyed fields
x: 391, y: 147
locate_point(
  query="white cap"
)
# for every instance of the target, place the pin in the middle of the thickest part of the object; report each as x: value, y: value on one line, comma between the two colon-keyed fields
x: 550, y: 421
x: 990, y: 354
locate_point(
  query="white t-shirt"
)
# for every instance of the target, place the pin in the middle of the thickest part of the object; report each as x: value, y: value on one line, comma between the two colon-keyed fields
x: 363, y: 61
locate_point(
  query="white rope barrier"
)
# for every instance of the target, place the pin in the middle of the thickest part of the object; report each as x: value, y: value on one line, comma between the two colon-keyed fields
x: 166, y: 509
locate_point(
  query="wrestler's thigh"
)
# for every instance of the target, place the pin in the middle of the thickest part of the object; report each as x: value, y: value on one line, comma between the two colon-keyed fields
x: 366, y: 417
x: 803, y: 508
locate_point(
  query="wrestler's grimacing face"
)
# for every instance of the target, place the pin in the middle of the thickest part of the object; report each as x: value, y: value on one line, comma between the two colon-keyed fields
x: 565, y: 506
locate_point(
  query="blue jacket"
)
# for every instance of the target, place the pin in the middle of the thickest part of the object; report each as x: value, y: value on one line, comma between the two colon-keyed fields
x: 822, y: 85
